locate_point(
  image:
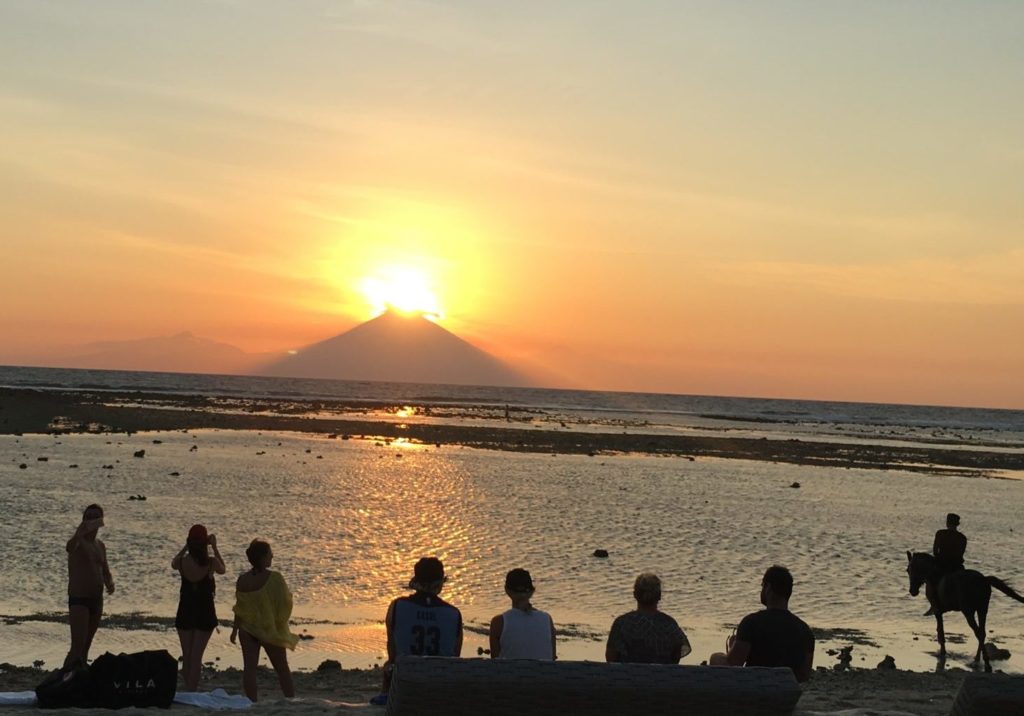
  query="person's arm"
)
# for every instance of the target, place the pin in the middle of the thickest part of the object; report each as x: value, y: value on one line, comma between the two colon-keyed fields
x: 738, y: 652
x: 936, y: 544
x: 217, y: 560
x: 497, y: 626
x: 108, y: 578
x: 176, y: 561
x: 682, y: 647
x: 235, y: 623
x: 554, y: 642
x: 805, y: 670
x: 738, y: 645
x: 83, y: 528
x: 389, y: 626
x: 611, y: 651
x: 458, y: 638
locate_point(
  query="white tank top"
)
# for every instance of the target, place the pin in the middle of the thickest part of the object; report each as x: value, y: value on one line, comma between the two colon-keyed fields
x: 526, y: 635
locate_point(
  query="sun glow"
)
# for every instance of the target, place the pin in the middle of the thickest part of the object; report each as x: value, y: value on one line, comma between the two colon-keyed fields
x: 403, y: 289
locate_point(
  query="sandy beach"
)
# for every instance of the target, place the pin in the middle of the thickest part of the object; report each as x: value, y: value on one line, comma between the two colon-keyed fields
x: 857, y: 692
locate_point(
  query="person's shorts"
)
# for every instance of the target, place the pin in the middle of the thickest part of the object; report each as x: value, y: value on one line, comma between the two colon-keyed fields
x: 93, y: 604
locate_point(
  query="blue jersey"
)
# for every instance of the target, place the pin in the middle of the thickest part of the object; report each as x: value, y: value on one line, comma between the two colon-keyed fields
x: 425, y: 625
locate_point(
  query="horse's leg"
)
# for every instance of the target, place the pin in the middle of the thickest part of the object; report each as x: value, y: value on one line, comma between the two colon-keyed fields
x: 973, y: 624
x: 942, y: 636
x: 983, y: 635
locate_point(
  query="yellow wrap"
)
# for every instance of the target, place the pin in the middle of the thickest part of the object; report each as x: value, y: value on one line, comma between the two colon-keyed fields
x: 265, y: 612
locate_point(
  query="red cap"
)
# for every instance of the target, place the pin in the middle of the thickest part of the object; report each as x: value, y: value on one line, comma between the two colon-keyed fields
x: 197, y: 534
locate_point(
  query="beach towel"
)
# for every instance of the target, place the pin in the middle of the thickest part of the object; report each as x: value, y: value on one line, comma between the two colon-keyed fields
x: 17, y: 698
x: 218, y: 699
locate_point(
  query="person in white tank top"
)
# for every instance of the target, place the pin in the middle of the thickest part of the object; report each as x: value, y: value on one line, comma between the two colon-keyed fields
x: 522, y: 632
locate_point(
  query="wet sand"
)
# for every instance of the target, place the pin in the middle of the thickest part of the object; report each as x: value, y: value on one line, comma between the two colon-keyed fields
x: 850, y: 692
x: 33, y: 411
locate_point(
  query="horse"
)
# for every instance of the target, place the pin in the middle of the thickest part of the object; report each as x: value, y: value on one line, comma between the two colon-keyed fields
x: 965, y: 591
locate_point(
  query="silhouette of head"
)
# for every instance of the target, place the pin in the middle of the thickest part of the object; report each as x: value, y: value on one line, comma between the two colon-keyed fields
x: 259, y: 555
x: 952, y: 520
x: 428, y: 575
x: 647, y: 589
x: 777, y: 582
x: 518, y: 581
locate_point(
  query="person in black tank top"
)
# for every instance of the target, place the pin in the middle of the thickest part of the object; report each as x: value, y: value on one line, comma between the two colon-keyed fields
x: 197, y: 616
x: 774, y: 636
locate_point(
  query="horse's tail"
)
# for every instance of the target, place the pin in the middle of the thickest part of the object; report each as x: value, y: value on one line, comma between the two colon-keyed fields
x: 1004, y: 588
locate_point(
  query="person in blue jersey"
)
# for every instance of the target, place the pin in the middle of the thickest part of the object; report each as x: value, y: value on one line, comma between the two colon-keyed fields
x: 421, y: 624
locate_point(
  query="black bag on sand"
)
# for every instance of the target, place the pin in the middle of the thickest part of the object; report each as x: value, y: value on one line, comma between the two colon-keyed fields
x: 65, y: 688
x: 146, y: 678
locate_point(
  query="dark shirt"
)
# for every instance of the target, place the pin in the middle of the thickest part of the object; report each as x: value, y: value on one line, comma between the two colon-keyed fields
x: 777, y: 637
x: 647, y: 638
x: 949, y: 548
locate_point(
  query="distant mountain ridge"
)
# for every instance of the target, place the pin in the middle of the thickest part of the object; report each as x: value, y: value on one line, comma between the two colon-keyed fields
x: 397, y: 348
x: 180, y: 353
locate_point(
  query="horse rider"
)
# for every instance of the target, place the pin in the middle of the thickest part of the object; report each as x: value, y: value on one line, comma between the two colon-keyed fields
x: 948, y: 549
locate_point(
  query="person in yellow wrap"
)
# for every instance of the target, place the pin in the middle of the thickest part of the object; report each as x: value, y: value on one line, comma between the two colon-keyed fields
x: 263, y: 606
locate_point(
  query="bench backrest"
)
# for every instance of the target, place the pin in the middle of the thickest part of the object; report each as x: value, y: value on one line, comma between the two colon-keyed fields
x: 436, y: 685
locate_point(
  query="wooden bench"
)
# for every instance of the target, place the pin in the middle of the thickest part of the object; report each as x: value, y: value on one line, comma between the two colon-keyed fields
x: 989, y: 695
x: 437, y: 686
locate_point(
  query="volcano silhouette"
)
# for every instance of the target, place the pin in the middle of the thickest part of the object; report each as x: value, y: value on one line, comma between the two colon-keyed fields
x: 397, y: 348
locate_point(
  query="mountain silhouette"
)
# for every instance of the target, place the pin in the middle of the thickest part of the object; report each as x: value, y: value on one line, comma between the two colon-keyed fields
x: 397, y: 348
x: 180, y: 353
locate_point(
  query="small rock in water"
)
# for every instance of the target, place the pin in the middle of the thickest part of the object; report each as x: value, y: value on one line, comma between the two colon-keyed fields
x: 175, y: 474
x: 22, y: 466
x: 139, y: 453
x: 995, y: 653
x: 601, y: 553
x: 795, y: 485
x: 887, y: 663
x: 329, y: 665
x: 306, y: 637
x: 43, y: 459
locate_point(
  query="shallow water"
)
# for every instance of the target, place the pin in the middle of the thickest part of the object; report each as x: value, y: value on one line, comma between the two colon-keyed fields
x: 347, y: 520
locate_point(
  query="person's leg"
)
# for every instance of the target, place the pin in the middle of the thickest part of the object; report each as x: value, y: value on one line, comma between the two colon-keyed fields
x: 185, y: 637
x: 250, y: 660
x: 279, y: 660
x: 78, y: 618
x: 200, y: 639
x: 95, y: 614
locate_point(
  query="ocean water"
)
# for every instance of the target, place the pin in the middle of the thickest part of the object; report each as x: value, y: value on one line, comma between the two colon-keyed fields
x: 347, y: 520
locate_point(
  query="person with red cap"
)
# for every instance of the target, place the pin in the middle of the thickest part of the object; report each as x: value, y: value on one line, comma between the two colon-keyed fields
x: 197, y: 616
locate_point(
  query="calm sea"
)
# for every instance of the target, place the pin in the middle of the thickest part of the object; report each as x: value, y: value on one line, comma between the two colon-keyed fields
x: 348, y: 518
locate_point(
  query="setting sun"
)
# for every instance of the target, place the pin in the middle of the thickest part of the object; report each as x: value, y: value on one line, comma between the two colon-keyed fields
x: 403, y: 289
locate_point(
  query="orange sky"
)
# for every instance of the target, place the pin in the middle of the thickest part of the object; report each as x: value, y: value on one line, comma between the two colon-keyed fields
x: 815, y: 201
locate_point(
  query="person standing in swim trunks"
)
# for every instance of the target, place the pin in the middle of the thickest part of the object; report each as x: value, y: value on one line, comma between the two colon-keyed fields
x: 88, y: 574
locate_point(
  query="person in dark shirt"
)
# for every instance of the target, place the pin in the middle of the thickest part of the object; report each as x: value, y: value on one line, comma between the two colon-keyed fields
x: 950, y: 545
x: 948, y: 548
x: 774, y: 636
x: 646, y: 636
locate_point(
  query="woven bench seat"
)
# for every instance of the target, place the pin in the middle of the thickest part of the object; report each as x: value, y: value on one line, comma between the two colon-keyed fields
x: 437, y: 686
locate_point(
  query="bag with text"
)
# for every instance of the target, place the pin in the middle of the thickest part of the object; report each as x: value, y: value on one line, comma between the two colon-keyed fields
x: 146, y: 678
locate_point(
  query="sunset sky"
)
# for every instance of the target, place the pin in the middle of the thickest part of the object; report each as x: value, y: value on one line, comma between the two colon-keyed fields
x: 787, y: 199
